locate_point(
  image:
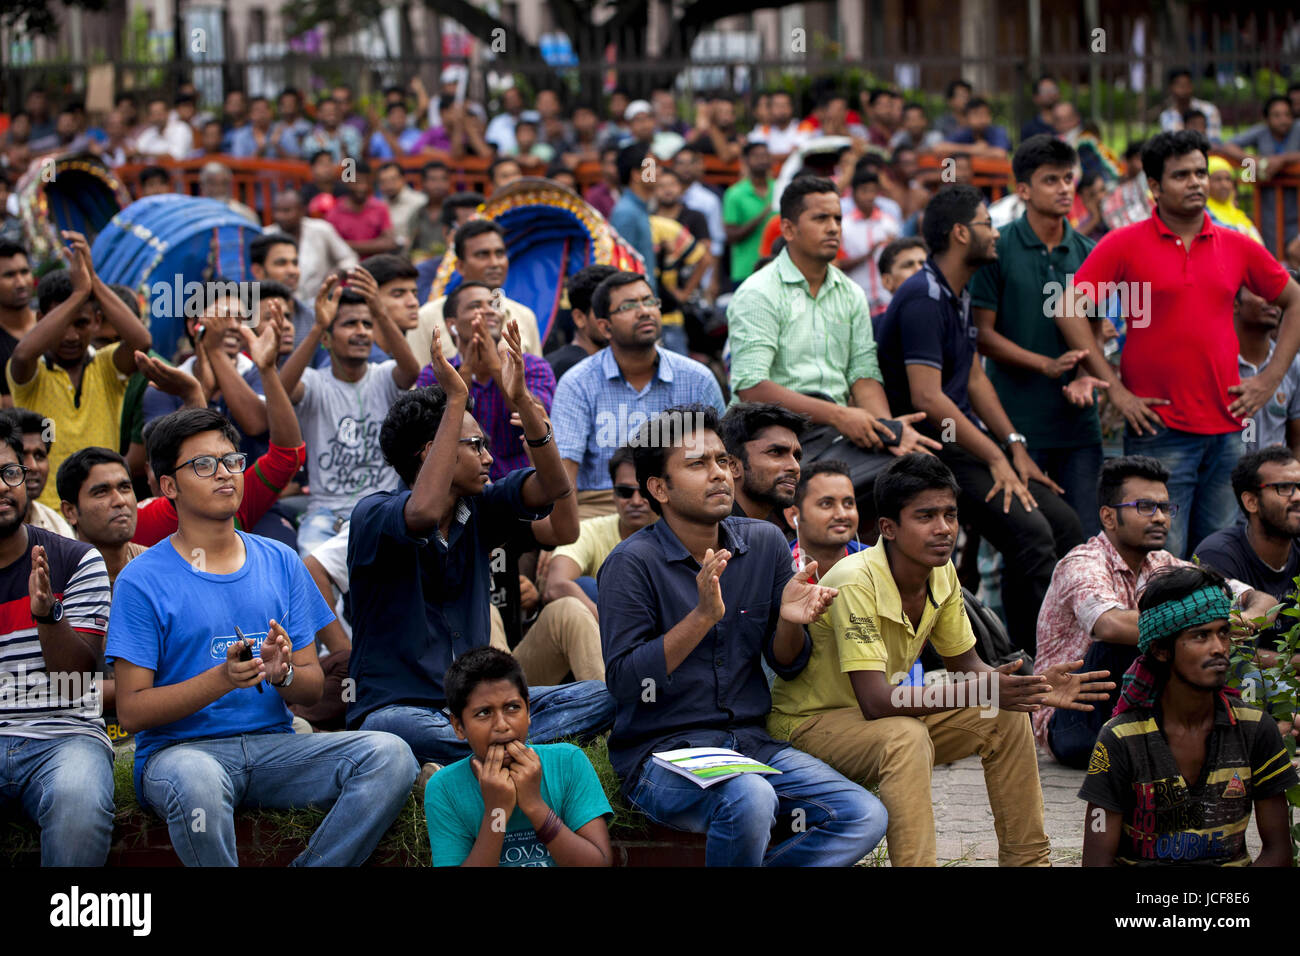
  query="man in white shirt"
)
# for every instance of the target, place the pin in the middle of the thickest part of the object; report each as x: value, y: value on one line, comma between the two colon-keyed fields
x: 1181, y: 101
x: 402, y: 202
x: 782, y: 134
x: 164, y: 136
x: 689, y: 165
x: 321, y: 250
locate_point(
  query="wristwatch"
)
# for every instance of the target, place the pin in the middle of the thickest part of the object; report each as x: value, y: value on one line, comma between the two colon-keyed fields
x: 288, y: 678
x: 539, y: 442
x: 54, y: 617
x: 1013, y: 439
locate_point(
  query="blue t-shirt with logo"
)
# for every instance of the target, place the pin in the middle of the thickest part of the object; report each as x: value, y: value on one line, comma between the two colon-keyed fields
x: 453, y: 808
x: 173, y: 618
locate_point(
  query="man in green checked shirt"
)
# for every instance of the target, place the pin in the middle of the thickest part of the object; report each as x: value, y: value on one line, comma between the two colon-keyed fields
x: 801, y: 336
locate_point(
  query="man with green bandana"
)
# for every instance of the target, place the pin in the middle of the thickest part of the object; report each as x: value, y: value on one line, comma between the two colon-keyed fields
x: 1174, y: 773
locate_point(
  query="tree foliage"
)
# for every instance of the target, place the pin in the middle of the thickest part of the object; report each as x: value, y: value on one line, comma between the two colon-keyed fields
x: 37, y: 18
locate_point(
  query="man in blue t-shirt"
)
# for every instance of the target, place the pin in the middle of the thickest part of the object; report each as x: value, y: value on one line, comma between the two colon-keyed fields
x: 510, y: 804
x: 420, y: 562
x: 200, y: 624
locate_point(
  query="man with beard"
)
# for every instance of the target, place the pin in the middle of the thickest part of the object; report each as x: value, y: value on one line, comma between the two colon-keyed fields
x: 928, y: 344
x: 59, y: 762
x: 763, y: 451
x: 54, y: 372
x: 1278, y: 422
x: 1262, y: 552
x: 1179, y: 273
x: 1030, y: 366
x: 824, y: 516
x: 1175, y: 773
x: 17, y: 317
x: 36, y: 459
x: 801, y: 337
x: 477, y: 325
x: 1090, y: 609
x: 321, y: 250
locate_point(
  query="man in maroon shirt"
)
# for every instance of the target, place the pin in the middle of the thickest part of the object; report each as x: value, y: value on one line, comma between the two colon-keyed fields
x: 1175, y: 277
x: 361, y: 218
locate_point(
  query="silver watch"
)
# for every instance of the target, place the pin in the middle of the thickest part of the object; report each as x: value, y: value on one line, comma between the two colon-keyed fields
x: 288, y: 677
x: 1015, y: 438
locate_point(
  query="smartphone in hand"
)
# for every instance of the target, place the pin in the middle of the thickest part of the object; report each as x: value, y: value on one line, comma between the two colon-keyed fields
x: 897, y: 428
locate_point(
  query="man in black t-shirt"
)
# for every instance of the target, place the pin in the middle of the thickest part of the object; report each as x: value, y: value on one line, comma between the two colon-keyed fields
x: 1262, y: 552
x: 1175, y: 772
x: 587, y: 338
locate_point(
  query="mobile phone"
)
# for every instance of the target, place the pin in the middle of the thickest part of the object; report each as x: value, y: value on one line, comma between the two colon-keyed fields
x: 246, y: 654
x: 894, y: 426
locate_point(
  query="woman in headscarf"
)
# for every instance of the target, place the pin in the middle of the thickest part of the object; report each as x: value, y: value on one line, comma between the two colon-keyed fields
x: 1222, y: 201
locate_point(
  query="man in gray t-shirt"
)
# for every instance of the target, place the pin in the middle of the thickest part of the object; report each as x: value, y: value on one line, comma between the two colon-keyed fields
x: 342, y: 407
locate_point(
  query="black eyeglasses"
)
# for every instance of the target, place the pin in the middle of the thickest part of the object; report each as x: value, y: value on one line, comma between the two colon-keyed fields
x: 14, y: 475
x: 205, y: 466
x: 1284, y: 488
x: 626, y: 491
x: 476, y: 444
x: 1146, y: 507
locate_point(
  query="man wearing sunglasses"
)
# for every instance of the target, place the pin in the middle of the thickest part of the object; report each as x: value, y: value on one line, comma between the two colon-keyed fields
x: 59, y: 762
x: 1090, y: 609
x: 1262, y: 551
x: 213, y: 634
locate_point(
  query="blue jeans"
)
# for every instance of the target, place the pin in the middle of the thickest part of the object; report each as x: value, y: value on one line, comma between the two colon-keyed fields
x: 316, y: 527
x: 66, y: 786
x: 588, y: 585
x: 1200, y: 481
x: 841, y: 822
x: 581, y: 709
x: 364, y: 779
x: 1076, y: 470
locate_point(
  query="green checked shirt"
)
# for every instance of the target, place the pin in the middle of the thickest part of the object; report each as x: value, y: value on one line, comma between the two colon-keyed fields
x: 778, y: 332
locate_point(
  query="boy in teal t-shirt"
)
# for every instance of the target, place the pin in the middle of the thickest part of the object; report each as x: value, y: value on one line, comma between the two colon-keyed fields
x: 510, y: 804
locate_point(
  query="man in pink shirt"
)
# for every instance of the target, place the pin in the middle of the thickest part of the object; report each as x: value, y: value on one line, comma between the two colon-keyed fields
x: 361, y: 218
x: 1090, y: 610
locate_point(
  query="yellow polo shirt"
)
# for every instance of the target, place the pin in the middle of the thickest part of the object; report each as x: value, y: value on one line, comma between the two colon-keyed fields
x: 865, y: 629
x: 93, y: 418
x: 597, y: 537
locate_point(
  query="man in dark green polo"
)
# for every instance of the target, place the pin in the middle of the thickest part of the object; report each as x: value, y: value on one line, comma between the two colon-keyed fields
x: 1012, y: 302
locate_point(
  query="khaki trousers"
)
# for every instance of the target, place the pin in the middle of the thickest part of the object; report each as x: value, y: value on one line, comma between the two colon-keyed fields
x: 595, y: 504
x: 565, y: 637
x: 897, y: 754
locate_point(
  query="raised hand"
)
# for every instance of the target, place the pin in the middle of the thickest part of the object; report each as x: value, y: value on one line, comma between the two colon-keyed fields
x: 802, y: 602
x: 512, y: 364
x: 447, y: 377
x: 38, y: 583
x: 706, y: 583
x: 327, y: 301
x: 277, y: 652
x: 1072, y: 691
x: 169, y: 378
x: 264, y: 346
x: 80, y: 268
x: 363, y: 283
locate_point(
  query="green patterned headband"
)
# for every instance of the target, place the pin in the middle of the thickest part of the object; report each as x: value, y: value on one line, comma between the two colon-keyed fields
x: 1163, y: 620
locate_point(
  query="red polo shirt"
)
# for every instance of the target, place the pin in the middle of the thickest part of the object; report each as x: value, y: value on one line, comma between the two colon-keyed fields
x: 359, y: 226
x: 1186, y: 348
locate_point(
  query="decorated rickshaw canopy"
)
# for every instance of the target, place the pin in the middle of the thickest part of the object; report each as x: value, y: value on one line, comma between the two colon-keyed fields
x: 72, y: 191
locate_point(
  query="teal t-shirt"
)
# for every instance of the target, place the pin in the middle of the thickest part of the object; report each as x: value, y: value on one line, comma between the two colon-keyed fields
x: 453, y: 807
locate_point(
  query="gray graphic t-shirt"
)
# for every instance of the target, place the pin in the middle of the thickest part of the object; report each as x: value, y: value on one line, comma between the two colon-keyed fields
x: 340, y: 423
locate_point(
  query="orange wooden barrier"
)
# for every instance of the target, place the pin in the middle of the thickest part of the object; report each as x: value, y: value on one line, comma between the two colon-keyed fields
x: 1282, y: 190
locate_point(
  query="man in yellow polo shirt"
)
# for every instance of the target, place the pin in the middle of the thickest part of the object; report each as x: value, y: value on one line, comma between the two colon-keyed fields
x: 848, y: 708
x: 53, y: 370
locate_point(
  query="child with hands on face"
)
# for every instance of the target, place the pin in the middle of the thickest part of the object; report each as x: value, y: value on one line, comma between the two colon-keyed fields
x: 510, y: 804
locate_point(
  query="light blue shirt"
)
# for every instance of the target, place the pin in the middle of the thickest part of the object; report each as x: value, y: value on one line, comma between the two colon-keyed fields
x: 596, y: 410
x: 631, y: 218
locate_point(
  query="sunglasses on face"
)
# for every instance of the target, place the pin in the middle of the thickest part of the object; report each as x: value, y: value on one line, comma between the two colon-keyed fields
x: 626, y: 491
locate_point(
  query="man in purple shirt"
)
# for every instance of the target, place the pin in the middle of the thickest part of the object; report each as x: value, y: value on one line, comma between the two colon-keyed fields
x: 476, y: 325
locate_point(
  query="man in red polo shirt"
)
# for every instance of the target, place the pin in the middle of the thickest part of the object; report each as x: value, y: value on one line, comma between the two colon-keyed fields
x: 1176, y: 275
x: 361, y: 218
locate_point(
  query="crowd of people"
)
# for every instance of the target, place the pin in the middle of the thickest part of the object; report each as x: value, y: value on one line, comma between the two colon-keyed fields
x: 365, y: 540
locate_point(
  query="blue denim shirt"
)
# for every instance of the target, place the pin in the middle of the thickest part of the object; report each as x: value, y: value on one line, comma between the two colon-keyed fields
x: 418, y: 603
x: 646, y: 586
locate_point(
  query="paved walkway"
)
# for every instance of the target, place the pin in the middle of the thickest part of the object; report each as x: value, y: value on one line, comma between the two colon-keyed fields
x: 964, y: 822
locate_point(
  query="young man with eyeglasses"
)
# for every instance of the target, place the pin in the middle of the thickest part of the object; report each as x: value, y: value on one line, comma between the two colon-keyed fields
x: 420, y: 562
x: 1262, y: 551
x: 213, y: 634
x: 470, y: 312
x: 54, y: 591
x: 602, y: 401
x: 1090, y: 609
